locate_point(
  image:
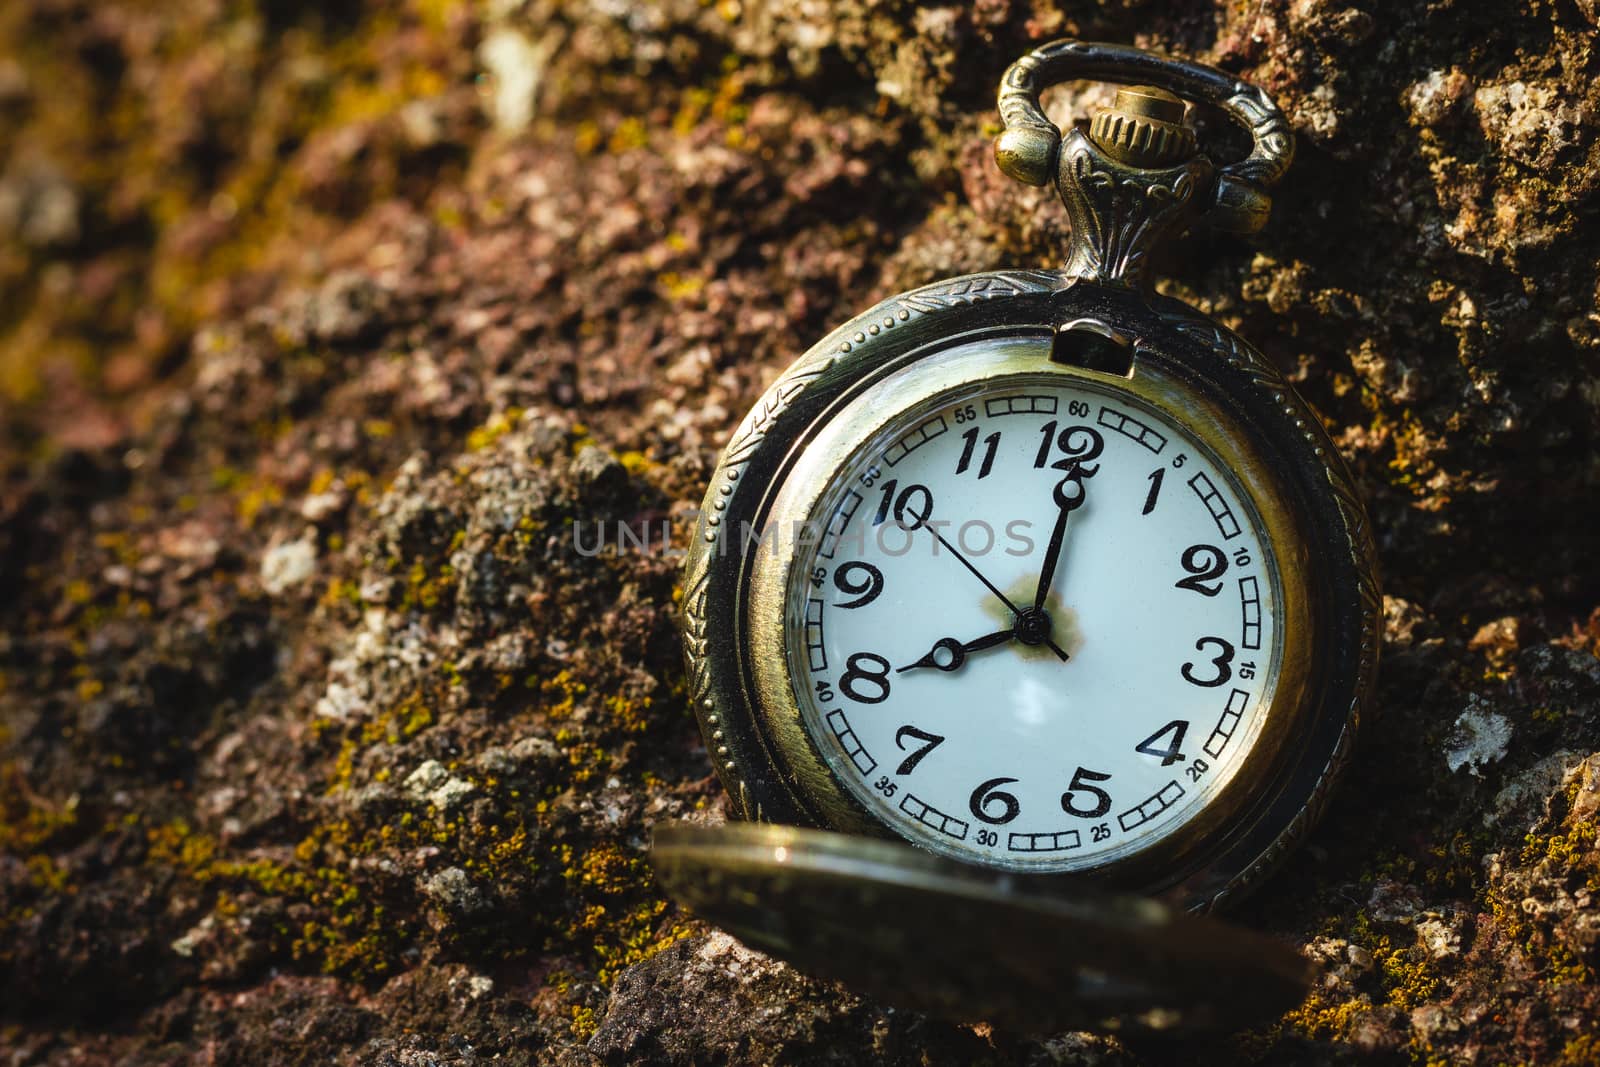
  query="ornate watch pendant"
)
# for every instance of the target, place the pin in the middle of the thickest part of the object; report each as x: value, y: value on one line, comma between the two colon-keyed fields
x: 1030, y: 586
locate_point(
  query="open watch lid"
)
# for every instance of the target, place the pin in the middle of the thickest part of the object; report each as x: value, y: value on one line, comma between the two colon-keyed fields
x: 918, y: 931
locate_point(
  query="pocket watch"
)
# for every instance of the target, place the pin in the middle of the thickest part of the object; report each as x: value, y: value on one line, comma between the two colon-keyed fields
x: 1038, y: 601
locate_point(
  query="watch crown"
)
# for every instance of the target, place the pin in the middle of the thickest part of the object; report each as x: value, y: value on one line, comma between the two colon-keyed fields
x: 1144, y: 128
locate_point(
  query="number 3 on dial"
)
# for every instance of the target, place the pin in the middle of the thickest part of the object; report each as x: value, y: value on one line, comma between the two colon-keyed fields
x: 1221, y: 661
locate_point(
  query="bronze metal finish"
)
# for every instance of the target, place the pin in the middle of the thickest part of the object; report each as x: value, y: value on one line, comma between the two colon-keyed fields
x: 776, y: 584
x: 1145, y: 128
x: 1229, y: 197
x: 849, y: 907
x: 878, y: 916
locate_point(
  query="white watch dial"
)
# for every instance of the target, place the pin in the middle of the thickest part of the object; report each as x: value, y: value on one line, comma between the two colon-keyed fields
x: 1034, y: 624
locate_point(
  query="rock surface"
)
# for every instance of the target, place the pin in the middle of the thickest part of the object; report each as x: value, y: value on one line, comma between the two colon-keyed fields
x: 337, y: 342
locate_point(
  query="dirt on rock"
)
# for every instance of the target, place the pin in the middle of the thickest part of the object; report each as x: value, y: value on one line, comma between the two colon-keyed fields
x: 339, y: 344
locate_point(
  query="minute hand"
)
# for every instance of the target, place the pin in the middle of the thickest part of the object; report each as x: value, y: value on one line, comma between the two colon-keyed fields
x: 1015, y: 611
x: 1067, y: 502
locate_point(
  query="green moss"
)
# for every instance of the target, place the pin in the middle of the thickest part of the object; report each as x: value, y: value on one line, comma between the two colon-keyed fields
x: 680, y: 287
x: 1408, y: 976
x: 360, y: 924
x: 630, y: 133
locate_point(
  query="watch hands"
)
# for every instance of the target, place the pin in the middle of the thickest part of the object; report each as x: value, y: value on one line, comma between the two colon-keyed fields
x: 968, y: 564
x: 1028, y: 625
x: 1067, y: 503
x: 956, y: 651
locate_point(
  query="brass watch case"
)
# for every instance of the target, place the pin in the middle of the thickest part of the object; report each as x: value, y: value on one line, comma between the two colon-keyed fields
x: 771, y: 607
x: 1198, y: 372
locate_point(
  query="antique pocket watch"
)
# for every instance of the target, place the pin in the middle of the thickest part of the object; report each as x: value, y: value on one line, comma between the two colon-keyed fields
x: 1054, y: 579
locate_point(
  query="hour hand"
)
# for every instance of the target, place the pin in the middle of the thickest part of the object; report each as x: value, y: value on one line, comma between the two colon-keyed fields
x: 948, y: 654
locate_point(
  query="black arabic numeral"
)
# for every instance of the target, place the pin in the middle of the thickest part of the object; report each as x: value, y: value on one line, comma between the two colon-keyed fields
x: 1174, y: 750
x: 887, y: 502
x: 1205, y: 563
x: 1080, y: 443
x: 991, y: 443
x: 988, y: 837
x: 1196, y: 769
x: 919, y: 514
x: 988, y: 794
x: 865, y: 587
x: 1048, y: 430
x: 824, y: 692
x: 1155, y: 490
x: 1220, y: 661
x: 876, y: 676
x: 1077, y: 409
x: 1099, y: 831
x: 1080, y: 784
x: 1080, y: 454
x: 971, y: 441
x: 886, y: 787
x: 929, y: 743
x: 911, y: 508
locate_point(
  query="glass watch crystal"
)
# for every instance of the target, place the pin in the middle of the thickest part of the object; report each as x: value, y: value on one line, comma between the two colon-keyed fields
x: 1031, y: 622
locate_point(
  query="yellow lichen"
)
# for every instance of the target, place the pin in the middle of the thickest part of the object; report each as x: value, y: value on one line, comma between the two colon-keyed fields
x: 562, y: 692
x: 427, y: 591
x: 629, y: 134
x: 680, y: 286
x: 630, y: 715
x: 1324, y: 1018
x: 404, y: 720
x: 1580, y: 1051
x: 497, y: 426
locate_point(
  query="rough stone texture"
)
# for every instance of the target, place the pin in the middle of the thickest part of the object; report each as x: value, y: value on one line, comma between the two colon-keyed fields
x: 324, y: 328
